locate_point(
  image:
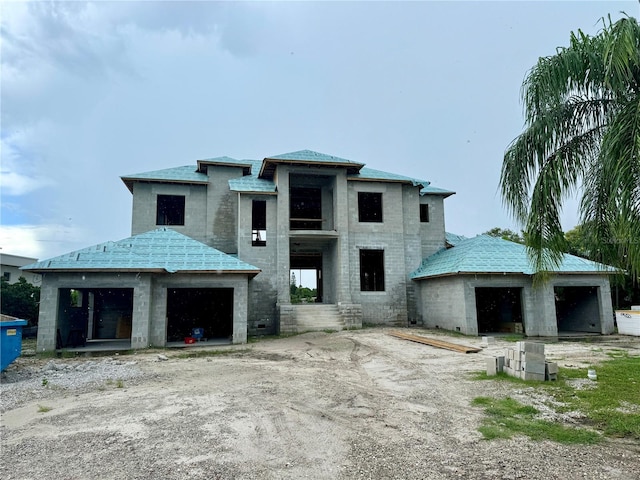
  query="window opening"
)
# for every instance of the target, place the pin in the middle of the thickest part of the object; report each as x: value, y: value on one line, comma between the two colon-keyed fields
x: 259, y: 223
x: 424, y: 212
x: 170, y: 210
x: 369, y: 207
x: 372, y: 270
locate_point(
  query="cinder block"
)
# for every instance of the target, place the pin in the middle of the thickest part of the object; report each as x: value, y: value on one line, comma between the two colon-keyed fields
x: 552, y: 367
x: 507, y: 362
x: 500, y: 359
x: 488, y: 340
x: 492, y: 365
x: 532, y: 347
x: 533, y: 367
x: 516, y: 365
x: 532, y: 357
x: 552, y: 377
x: 532, y: 376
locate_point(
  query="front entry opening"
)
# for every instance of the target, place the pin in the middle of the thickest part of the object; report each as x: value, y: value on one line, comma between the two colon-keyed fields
x: 93, y: 315
x: 499, y: 310
x: 577, y: 309
x: 207, y: 308
x: 306, y: 277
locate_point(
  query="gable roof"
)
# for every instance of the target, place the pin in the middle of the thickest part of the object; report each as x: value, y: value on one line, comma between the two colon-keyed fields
x: 184, y: 174
x: 485, y: 254
x: 307, y: 157
x: 160, y: 250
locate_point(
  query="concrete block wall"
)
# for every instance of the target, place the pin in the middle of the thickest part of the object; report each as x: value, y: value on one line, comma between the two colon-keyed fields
x: 412, y: 246
x: 389, y: 306
x: 432, y: 233
x: 222, y: 209
x: 144, y: 210
x: 162, y: 282
x: 262, y: 314
x: 287, y: 316
x: 443, y: 304
x: 49, y: 302
x: 351, y: 314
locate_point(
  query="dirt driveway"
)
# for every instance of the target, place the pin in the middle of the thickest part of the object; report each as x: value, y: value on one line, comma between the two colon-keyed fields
x: 357, y: 404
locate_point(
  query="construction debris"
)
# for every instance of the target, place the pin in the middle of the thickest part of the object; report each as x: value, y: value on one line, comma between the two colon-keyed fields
x: 527, y: 361
x: 435, y: 343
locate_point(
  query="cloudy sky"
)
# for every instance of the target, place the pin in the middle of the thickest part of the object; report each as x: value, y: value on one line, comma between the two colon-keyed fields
x: 94, y: 91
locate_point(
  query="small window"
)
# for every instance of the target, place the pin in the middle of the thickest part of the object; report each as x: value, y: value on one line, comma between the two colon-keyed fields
x: 369, y: 207
x: 372, y: 270
x: 424, y: 212
x: 6, y: 276
x: 259, y: 223
x: 170, y: 210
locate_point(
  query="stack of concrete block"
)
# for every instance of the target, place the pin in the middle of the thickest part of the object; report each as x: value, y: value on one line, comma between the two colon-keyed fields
x: 526, y: 361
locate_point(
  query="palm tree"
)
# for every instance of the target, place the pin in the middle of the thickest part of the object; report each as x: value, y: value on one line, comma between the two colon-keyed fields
x: 582, y: 132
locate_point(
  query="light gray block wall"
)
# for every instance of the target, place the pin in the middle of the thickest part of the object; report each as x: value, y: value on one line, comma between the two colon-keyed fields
x: 263, y: 292
x: 432, y: 232
x: 222, y: 209
x: 158, y: 326
x: 52, y: 282
x: 450, y: 302
x: 443, y: 304
x: 390, y: 306
x: 283, y: 261
x: 145, y: 208
x: 412, y: 245
x: 605, y: 306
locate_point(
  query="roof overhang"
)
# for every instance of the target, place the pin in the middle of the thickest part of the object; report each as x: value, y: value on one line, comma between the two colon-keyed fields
x: 269, y: 165
x: 129, y: 181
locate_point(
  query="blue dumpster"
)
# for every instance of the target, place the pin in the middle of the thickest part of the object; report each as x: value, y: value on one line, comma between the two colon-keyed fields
x: 10, y: 341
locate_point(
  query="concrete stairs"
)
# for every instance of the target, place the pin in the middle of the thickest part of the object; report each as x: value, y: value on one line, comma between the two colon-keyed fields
x: 317, y: 317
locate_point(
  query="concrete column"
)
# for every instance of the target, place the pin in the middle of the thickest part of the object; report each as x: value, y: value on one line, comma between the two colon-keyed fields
x: 606, y: 309
x: 283, y: 261
x: 240, y: 292
x: 341, y: 217
x: 141, y: 321
x: 48, y: 315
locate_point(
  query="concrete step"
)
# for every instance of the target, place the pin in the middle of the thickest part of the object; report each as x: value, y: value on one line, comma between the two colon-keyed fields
x: 318, y: 317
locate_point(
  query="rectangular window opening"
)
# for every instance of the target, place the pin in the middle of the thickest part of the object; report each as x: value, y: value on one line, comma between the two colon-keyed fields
x: 372, y: 270
x: 424, y: 213
x: 370, y: 207
x: 305, y: 205
x: 259, y: 223
x: 170, y: 210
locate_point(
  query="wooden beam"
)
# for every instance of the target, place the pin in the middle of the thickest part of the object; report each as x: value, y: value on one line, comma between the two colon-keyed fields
x: 435, y: 343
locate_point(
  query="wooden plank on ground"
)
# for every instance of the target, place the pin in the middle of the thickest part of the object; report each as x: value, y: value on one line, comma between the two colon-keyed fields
x: 435, y: 343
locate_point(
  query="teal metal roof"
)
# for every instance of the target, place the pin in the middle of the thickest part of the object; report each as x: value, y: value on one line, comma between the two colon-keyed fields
x: 485, y: 254
x: 429, y: 190
x: 252, y: 184
x: 311, y: 156
x: 308, y: 157
x: 453, y: 239
x: 369, y: 174
x: 246, y: 165
x: 162, y: 250
x: 184, y: 174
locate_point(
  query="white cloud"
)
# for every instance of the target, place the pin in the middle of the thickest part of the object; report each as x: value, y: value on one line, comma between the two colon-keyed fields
x: 41, y: 241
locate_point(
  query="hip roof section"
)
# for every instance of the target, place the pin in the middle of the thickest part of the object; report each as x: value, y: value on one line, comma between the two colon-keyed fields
x: 485, y: 254
x: 160, y: 250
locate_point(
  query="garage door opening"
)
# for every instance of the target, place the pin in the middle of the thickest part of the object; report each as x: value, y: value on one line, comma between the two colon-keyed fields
x: 499, y: 310
x: 208, y: 308
x: 93, y: 315
x: 577, y: 309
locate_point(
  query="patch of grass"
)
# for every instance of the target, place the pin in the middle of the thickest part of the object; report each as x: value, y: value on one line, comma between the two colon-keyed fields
x: 507, y: 417
x: 211, y: 353
x: 119, y: 384
x: 329, y: 330
x: 611, y: 404
x: 44, y: 409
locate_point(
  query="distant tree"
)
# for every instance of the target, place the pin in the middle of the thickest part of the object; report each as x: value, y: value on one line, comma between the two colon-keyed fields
x: 505, y: 234
x: 293, y: 286
x: 576, y: 242
x: 582, y: 131
x: 20, y: 299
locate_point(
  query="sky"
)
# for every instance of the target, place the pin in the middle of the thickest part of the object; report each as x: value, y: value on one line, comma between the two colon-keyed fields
x: 91, y: 92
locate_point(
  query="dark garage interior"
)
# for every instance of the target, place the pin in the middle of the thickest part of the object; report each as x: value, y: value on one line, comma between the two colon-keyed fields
x: 577, y: 309
x: 93, y: 314
x: 207, y: 308
x: 499, y: 310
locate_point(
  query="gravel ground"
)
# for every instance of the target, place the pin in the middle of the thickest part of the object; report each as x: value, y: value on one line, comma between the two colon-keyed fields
x: 357, y: 404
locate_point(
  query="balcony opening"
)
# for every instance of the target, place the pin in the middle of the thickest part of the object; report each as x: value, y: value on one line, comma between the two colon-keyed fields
x: 305, y: 208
